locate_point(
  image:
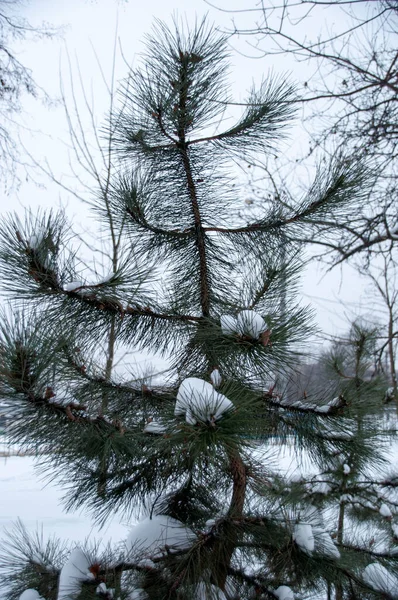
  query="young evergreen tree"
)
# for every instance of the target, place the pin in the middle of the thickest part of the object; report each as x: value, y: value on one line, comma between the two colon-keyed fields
x: 182, y: 456
x: 356, y: 499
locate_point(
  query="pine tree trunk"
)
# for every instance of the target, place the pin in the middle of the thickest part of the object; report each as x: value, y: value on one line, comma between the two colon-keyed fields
x: 340, y: 532
x: 226, y: 547
x: 391, y: 357
x: 103, y: 467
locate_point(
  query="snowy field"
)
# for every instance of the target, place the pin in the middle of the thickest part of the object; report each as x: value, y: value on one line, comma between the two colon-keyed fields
x: 28, y: 496
x: 25, y: 495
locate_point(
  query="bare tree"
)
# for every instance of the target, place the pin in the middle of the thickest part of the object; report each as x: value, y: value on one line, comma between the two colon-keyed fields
x: 16, y: 81
x: 383, y: 277
x: 91, y: 166
x: 349, y: 98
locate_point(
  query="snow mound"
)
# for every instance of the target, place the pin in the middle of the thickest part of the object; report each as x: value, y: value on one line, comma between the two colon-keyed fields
x: 208, y: 592
x: 151, y: 536
x: 30, y: 595
x: 304, y: 537
x: 377, y: 577
x: 199, y: 401
x: 248, y: 322
x: 346, y: 469
x: 284, y: 593
x: 73, y: 573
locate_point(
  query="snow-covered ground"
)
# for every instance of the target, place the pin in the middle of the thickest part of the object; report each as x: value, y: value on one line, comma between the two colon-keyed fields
x: 26, y: 495
x: 38, y: 504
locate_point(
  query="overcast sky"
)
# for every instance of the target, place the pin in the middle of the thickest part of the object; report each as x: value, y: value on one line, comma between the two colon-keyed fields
x: 87, y: 41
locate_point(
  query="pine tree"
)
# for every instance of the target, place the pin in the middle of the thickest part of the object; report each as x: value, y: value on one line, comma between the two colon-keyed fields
x: 355, y: 497
x: 187, y: 455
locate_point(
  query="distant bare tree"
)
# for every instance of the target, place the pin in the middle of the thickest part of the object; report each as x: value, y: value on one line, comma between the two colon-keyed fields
x: 383, y: 278
x: 349, y: 102
x: 16, y: 80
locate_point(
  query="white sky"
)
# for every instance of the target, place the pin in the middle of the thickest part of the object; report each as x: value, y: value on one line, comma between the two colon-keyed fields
x: 88, y: 39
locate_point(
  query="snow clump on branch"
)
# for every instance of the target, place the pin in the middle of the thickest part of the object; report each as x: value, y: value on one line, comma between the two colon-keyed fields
x: 199, y: 401
x: 152, y: 538
x: 30, y: 595
x: 73, y: 573
x: 216, y: 378
x: 304, y: 537
x: 248, y: 322
x: 377, y: 577
x: 284, y: 593
x: 73, y: 286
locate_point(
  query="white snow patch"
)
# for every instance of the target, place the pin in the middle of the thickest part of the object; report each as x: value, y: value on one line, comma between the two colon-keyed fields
x: 320, y: 487
x: 154, y: 427
x: 37, y: 238
x: 304, y: 537
x: 30, y: 595
x: 101, y: 589
x: 190, y: 419
x: 146, y: 563
x: 251, y: 323
x: 210, y: 523
x: 381, y: 580
x: 385, y: 511
x: 248, y: 322
x: 346, y: 469
x: 138, y: 594
x: 74, y: 571
x: 394, y: 527
x: 208, y: 592
x: 229, y: 324
x: 151, y: 536
x: 73, y: 285
x: 335, y: 402
x: 284, y: 592
x: 216, y: 378
x: 323, y: 409
x: 199, y: 401
x: 324, y: 543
